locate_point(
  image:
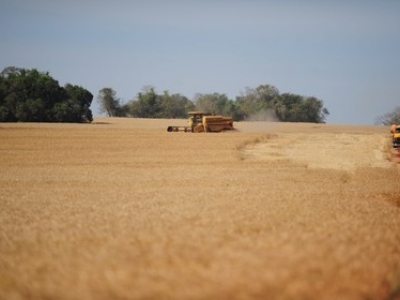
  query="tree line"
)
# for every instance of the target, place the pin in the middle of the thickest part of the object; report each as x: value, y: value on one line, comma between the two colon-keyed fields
x: 259, y: 104
x: 33, y: 96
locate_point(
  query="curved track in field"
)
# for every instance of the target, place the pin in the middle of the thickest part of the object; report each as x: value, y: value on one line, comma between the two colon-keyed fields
x: 344, y: 151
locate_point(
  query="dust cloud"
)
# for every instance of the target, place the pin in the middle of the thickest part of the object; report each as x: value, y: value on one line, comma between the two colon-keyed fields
x: 261, y: 121
x: 267, y: 115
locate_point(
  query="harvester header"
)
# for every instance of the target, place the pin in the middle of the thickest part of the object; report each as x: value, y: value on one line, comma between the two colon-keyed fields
x: 204, y: 122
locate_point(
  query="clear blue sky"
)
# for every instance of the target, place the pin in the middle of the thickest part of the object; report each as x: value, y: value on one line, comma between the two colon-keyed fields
x: 346, y: 53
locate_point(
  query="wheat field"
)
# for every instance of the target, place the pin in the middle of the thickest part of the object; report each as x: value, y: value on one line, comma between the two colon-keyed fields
x: 122, y: 209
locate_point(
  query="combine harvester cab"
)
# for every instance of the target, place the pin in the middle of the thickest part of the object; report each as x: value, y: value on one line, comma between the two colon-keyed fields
x: 203, y: 122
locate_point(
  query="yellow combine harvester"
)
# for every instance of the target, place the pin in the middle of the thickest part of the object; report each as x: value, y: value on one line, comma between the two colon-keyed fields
x: 203, y: 122
x: 395, y: 132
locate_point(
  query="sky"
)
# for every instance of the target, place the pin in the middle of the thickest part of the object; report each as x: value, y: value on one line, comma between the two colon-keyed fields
x: 345, y: 53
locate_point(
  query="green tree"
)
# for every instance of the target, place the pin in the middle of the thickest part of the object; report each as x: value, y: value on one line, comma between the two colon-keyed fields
x: 259, y: 102
x: 29, y: 94
x: 288, y: 108
x: 31, y: 110
x: 173, y: 106
x: 79, y: 101
x: 149, y: 104
x: 146, y: 105
x: 230, y: 109
x: 392, y: 117
x: 33, y: 96
x: 295, y: 108
x: 10, y: 70
x: 314, y: 110
x: 267, y: 95
x: 109, y: 103
x: 215, y: 103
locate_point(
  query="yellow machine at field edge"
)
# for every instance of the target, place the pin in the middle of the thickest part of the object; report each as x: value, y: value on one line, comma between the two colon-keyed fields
x: 204, y: 122
x: 395, y: 133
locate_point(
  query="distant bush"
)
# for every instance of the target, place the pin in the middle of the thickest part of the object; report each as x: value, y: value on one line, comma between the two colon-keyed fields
x: 264, y: 103
x: 33, y: 96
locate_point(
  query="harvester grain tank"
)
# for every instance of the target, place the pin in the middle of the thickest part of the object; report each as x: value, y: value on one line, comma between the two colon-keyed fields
x: 204, y: 122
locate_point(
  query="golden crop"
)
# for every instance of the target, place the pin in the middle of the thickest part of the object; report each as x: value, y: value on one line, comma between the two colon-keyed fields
x: 122, y: 209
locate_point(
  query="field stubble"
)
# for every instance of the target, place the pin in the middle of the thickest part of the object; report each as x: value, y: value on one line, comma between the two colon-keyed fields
x: 121, y: 209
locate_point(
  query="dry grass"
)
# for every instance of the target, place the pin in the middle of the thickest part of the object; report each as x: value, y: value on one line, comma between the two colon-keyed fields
x: 121, y: 209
